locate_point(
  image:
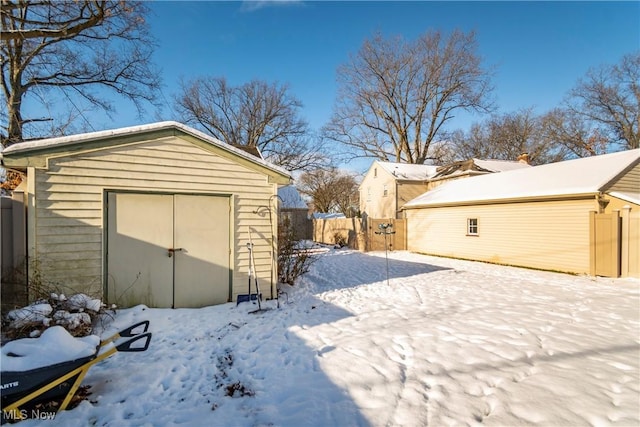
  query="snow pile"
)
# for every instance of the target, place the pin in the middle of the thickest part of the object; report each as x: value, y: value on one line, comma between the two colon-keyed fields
x: 74, y: 314
x: 446, y: 343
x: 55, y: 345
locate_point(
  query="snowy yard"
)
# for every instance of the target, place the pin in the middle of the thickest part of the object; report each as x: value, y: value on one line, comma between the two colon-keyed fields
x: 447, y: 342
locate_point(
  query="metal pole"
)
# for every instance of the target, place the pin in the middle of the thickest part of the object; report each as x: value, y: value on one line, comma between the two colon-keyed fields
x: 384, y: 230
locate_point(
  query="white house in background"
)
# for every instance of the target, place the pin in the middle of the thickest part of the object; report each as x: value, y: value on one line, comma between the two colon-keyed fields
x: 157, y: 214
x: 387, y: 186
x: 578, y: 216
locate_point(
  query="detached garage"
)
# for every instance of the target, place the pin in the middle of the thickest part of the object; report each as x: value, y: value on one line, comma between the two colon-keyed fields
x: 157, y: 214
x: 577, y: 216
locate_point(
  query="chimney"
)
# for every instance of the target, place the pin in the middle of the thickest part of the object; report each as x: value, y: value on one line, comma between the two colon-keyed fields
x: 523, y: 158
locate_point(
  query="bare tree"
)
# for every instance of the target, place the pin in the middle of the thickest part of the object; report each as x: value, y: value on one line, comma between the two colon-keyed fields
x: 573, y: 134
x: 331, y: 190
x: 396, y: 97
x: 74, y: 48
x: 505, y: 137
x: 610, y: 97
x: 255, y: 114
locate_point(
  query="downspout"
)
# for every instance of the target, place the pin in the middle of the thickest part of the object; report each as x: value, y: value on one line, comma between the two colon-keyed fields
x: 602, y: 202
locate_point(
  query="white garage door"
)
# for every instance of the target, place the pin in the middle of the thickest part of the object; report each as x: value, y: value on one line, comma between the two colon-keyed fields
x: 168, y: 250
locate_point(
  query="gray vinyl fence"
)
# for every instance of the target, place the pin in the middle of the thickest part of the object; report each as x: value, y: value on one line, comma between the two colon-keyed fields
x: 13, y: 245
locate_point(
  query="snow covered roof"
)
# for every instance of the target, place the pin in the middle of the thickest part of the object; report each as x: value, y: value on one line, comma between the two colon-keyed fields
x: 409, y: 172
x: 572, y: 177
x: 500, y: 165
x: 322, y: 215
x: 291, y: 198
x: 71, y: 140
x: 627, y: 196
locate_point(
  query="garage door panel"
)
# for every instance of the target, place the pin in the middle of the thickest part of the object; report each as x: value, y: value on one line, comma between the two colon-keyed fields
x: 140, y: 230
x: 202, y: 230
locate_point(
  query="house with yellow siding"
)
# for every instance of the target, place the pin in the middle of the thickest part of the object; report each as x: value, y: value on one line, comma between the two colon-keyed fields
x: 578, y: 216
x: 387, y: 186
x: 158, y: 214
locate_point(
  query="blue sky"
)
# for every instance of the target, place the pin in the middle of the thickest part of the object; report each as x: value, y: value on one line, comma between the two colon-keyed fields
x: 537, y: 49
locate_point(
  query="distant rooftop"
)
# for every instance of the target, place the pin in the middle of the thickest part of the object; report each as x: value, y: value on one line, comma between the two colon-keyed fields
x: 291, y: 198
x: 409, y: 172
x: 587, y: 175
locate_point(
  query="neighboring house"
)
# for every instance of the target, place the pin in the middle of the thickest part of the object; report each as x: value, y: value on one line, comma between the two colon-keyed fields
x: 387, y: 186
x: 578, y: 216
x: 158, y: 214
x: 294, y: 210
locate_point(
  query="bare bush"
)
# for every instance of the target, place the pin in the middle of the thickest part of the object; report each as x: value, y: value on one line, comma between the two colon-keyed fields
x: 294, y: 259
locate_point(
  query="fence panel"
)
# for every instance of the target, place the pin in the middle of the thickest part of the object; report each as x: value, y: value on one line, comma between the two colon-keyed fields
x: 396, y: 241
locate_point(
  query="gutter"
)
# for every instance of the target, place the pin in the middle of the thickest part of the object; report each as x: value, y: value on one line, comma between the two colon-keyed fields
x: 529, y: 199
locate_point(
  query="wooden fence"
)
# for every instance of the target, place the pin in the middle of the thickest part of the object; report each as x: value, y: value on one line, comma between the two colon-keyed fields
x: 360, y: 233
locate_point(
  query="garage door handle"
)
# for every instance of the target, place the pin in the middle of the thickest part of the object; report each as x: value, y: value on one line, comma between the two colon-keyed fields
x: 172, y: 250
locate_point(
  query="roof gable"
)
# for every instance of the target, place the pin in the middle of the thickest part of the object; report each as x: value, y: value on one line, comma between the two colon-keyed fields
x: 583, y: 176
x: 35, y: 153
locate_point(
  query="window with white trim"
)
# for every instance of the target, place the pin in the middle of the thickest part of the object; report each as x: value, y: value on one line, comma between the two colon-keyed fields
x: 385, y: 192
x: 472, y: 226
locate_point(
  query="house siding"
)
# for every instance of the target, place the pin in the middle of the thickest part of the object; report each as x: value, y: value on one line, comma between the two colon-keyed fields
x: 67, y: 227
x: 551, y: 235
x: 373, y: 202
x: 408, y: 191
x: 628, y: 182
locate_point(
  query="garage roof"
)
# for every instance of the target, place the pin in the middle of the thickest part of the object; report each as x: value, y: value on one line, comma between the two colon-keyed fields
x: 20, y: 154
x: 583, y: 176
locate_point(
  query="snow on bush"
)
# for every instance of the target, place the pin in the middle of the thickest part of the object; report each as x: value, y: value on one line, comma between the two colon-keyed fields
x: 71, y: 321
x: 34, y: 313
x: 75, y: 314
x: 81, y: 301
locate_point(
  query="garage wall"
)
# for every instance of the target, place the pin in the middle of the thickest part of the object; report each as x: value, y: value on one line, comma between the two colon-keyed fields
x: 546, y: 235
x: 66, y: 227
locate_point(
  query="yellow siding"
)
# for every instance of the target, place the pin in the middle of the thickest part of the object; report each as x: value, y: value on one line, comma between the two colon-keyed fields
x: 373, y: 201
x: 545, y: 235
x: 408, y: 191
x: 629, y: 182
x: 631, y: 244
x: 68, y: 228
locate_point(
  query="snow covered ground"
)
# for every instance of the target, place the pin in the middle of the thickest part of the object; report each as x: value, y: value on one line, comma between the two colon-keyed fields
x: 447, y: 342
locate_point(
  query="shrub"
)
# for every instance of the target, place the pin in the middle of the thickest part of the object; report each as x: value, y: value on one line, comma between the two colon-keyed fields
x: 50, y: 307
x: 339, y: 239
x: 294, y: 259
